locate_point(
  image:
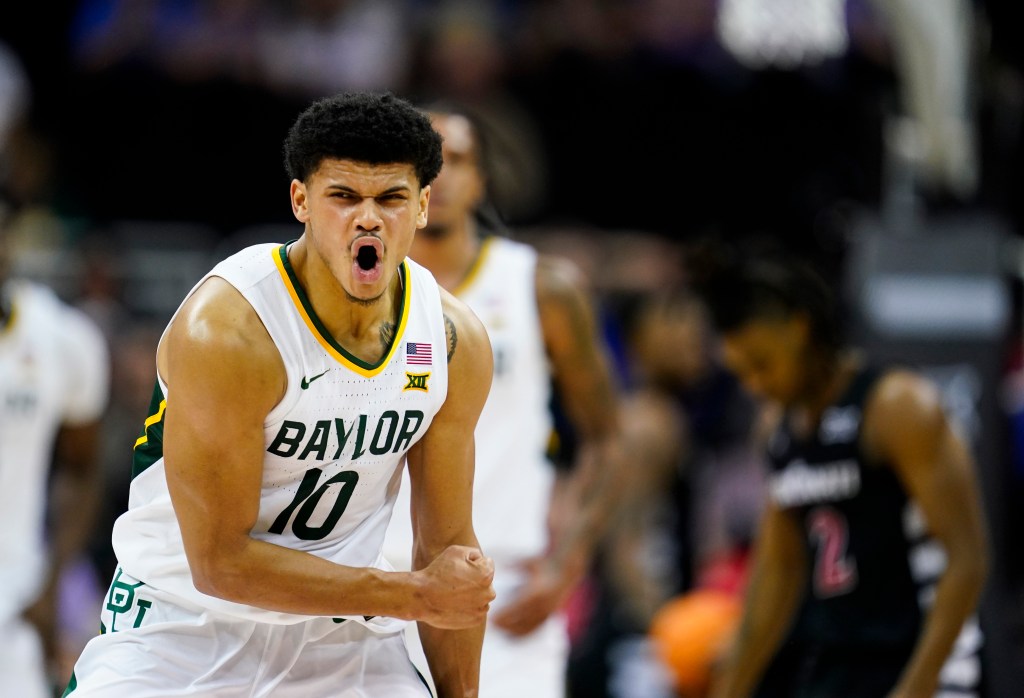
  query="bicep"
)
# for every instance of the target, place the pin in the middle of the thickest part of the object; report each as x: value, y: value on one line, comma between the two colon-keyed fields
x: 931, y: 460
x: 222, y: 381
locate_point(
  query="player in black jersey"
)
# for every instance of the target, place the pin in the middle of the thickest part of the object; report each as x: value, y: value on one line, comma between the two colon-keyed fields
x: 871, y: 554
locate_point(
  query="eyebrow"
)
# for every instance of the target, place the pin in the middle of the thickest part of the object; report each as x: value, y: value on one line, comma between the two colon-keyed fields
x: 399, y: 188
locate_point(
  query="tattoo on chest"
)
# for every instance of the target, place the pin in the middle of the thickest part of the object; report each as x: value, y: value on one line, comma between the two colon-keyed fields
x: 453, y: 337
x: 387, y: 334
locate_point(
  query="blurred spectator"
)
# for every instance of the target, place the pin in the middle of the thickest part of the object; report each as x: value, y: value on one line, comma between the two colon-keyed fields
x: 934, y: 127
x: 314, y: 48
x: 675, y: 355
x: 693, y: 500
x: 465, y: 54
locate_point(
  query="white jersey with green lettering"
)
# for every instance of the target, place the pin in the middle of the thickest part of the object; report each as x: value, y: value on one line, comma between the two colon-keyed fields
x: 334, y: 447
x: 54, y: 372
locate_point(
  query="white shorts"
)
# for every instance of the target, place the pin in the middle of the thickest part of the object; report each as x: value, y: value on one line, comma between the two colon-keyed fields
x: 156, y: 644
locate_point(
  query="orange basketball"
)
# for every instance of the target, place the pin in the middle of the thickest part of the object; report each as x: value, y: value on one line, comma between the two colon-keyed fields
x: 690, y: 633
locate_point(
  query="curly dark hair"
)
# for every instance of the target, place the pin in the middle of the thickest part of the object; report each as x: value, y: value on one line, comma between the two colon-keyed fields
x: 739, y: 286
x: 370, y: 127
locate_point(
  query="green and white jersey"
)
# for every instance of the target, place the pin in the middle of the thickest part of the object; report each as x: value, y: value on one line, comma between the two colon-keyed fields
x: 54, y: 372
x: 334, y: 447
x: 513, y: 478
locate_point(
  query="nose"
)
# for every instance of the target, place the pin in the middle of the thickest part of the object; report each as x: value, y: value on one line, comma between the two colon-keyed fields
x: 368, y: 216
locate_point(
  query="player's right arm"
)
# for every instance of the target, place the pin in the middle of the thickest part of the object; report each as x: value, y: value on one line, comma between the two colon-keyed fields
x: 772, y: 596
x: 224, y: 375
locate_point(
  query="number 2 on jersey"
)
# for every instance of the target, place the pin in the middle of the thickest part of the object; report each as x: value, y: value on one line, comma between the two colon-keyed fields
x: 835, y: 570
x: 309, y: 496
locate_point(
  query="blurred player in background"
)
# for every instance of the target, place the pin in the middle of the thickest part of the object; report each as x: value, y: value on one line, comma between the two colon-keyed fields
x: 54, y: 388
x: 871, y: 553
x: 540, y: 528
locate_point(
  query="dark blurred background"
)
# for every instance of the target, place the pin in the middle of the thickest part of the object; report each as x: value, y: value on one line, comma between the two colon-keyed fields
x: 140, y: 140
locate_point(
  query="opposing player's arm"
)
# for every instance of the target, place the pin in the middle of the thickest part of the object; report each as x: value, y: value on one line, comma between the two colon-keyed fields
x: 581, y: 370
x: 772, y: 596
x: 906, y: 426
x: 441, y: 468
x: 224, y: 375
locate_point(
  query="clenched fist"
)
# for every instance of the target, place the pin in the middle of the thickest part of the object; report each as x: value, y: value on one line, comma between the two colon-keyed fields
x: 455, y: 590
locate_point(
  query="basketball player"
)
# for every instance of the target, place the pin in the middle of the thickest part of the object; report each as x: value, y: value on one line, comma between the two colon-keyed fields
x: 295, y: 382
x: 871, y: 488
x: 541, y: 329
x: 54, y: 388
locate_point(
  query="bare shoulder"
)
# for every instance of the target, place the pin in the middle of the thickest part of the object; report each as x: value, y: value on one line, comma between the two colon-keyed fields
x: 218, y: 333
x: 902, y: 395
x: 470, y: 361
x: 559, y: 279
x: 904, y: 411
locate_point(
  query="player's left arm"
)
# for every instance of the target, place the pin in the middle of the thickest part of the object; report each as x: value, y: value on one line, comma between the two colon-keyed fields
x: 76, y: 483
x: 441, y: 468
x: 906, y: 426
x: 582, y: 373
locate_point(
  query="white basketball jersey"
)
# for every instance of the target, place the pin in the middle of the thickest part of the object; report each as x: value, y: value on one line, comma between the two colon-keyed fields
x: 334, y: 447
x: 54, y: 371
x: 513, y: 478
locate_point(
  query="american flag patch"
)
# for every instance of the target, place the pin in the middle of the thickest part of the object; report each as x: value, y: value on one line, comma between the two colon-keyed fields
x: 418, y: 353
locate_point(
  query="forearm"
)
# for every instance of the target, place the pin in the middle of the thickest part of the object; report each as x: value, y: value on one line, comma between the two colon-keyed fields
x: 956, y: 597
x: 293, y: 581
x: 454, y: 659
x: 71, y: 533
x: 593, y: 499
x: 75, y: 494
x: 770, y: 605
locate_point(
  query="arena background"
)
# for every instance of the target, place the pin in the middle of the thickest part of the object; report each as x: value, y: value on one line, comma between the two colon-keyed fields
x: 141, y: 139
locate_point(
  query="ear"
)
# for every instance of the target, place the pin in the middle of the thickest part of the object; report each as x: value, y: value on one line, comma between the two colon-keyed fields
x: 421, y: 215
x: 300, y: 202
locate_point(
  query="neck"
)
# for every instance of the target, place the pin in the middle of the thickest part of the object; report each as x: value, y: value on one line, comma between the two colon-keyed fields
x: 830, y: 376
x: 345, y: 318
x: 449, y: 255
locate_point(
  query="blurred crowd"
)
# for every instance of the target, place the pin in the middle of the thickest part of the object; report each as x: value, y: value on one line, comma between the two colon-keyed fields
x: 140, y: 142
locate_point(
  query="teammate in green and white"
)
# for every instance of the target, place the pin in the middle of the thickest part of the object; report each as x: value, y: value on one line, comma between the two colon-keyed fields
x: 540, y: 528
x: 295, y: 383
x: 54, y: 388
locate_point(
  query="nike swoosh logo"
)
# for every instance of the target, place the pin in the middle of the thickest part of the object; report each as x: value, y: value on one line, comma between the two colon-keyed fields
x: 306, y: 381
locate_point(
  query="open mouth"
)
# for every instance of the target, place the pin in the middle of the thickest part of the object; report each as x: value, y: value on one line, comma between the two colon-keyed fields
x: 367, y: 257
x: 367, y: 253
